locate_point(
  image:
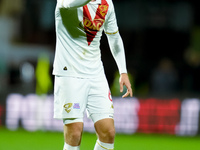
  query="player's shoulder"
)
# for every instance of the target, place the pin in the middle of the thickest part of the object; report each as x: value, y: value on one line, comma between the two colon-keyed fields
x: 109, y: 2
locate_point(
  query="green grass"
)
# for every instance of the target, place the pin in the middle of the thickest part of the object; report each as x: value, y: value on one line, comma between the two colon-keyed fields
x: 40, y: 140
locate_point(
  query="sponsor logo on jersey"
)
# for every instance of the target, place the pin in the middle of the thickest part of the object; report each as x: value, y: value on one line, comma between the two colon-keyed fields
x: 65, y: 68
x: 93, y: 26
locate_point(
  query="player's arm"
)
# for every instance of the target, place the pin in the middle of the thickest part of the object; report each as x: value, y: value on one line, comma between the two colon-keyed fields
x: 72, y: 3
x: 124, y: 80
x: 117, y: 50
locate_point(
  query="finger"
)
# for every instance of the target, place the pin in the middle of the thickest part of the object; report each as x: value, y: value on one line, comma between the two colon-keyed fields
x: 126, y: 94
x: 121, y: 87
x: 131, y: 92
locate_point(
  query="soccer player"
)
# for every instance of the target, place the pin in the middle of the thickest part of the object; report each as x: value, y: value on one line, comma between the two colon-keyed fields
x: 80, y: 82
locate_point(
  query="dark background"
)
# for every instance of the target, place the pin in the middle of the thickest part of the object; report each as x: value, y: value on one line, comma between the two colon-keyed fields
x: 161, y: 39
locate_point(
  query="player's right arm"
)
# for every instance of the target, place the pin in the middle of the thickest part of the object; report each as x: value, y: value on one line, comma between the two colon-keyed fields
x: 72, y: 3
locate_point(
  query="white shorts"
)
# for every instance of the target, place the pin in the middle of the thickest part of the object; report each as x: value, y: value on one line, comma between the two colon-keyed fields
x: 72, y: 96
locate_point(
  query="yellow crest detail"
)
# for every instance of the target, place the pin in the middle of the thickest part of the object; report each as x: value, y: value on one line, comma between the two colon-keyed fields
x: 68, y: 107
x: 103, y: 9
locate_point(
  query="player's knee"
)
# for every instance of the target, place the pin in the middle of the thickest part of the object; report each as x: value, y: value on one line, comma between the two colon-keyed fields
x: 111, y: 134
x: 107, y: 136
x: 73, y: 137
x: 73, y: 133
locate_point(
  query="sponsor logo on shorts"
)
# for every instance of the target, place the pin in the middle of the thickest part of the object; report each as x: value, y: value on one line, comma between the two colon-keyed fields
x: 68, y: 107
x: 76, y: 106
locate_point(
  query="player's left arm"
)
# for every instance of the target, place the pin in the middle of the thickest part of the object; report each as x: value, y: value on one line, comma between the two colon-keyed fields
x: 117, y: 50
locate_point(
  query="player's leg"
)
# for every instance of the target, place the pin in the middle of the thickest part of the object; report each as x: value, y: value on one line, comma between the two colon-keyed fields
x: 72, y: 134
x: 100, y: 109
x: 70, y: 95
x: 106, y: 133
x: 105, y: 130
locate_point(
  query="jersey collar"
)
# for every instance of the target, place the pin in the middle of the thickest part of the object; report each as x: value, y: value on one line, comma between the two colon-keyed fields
x: 96, y: 2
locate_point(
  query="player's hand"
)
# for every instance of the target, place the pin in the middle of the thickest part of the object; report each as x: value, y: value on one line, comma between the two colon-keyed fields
x: 124, y: 80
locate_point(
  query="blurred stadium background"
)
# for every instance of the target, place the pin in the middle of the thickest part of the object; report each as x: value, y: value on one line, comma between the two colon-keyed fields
x: 162, y: 42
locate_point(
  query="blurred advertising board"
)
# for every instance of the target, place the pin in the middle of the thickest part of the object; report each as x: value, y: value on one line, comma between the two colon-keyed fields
x: 151, y: 115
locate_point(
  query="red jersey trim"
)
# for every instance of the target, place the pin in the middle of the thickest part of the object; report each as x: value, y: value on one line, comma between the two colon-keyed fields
x: 93, y: 26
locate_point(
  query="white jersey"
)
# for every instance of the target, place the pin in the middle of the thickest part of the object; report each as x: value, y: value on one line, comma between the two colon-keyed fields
x: 78, y: 34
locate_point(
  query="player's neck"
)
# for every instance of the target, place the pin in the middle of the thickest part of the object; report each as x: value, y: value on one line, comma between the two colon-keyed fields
x: 93, y: 0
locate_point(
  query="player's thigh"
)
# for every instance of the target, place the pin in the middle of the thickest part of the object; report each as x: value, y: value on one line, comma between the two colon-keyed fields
x: 104, y: 125
x: 70, y: 97
x: 100, y: 105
